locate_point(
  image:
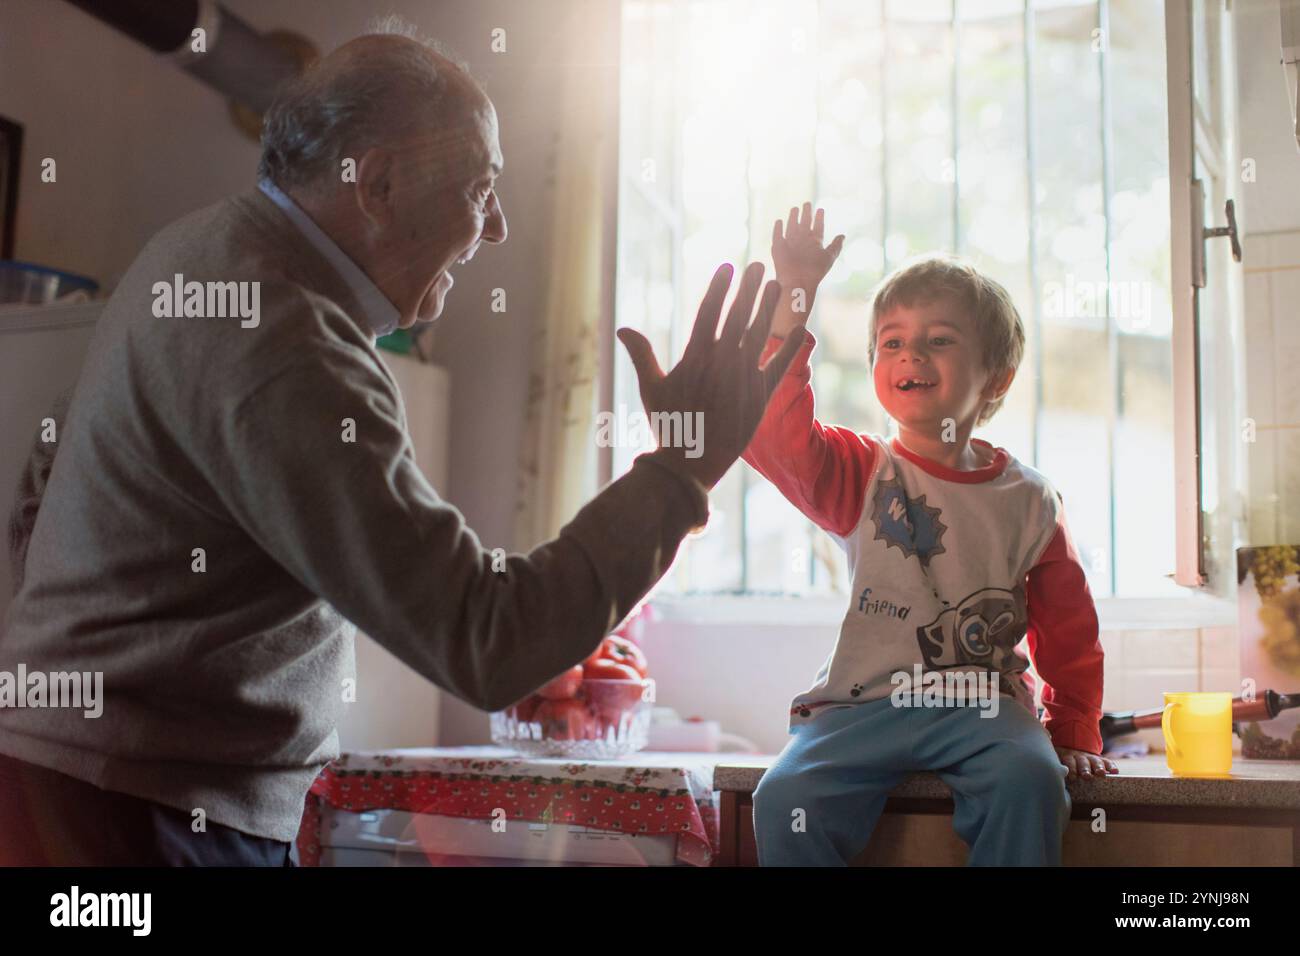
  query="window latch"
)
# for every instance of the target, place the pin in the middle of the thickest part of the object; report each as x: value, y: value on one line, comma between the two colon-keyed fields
x: 1216, y: 232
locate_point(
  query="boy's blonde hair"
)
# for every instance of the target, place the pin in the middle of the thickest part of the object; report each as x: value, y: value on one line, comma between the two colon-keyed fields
x: 1001, y: 333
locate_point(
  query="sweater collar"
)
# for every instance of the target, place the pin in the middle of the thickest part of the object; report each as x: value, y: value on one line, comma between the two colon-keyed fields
x: 986, y: 473
x: 378, y: 314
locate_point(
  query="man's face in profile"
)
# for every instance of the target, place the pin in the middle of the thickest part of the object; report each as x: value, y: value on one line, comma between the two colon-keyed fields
x: 450, y: 178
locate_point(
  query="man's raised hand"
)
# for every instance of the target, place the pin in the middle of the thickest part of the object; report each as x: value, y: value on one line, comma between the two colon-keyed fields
x: 718, y: 378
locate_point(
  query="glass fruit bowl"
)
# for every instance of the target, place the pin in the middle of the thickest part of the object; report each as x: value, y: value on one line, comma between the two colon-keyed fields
x: 602, y: 719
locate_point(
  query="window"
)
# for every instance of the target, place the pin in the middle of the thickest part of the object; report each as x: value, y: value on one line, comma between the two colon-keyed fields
x: 1029, y: 137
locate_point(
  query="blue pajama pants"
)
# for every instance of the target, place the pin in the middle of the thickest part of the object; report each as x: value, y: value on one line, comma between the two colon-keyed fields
x: 1011, y: 806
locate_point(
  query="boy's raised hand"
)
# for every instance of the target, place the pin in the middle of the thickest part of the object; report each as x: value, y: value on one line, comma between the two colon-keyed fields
x: 718, y: 378
x: 801, y: 262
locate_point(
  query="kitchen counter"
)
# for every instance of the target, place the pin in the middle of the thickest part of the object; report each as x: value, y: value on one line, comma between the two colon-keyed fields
x: 1151, y: 818
x: 1144, y: 781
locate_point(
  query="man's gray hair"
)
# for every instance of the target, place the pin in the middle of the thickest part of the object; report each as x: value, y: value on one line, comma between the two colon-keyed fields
x: 323, y: 116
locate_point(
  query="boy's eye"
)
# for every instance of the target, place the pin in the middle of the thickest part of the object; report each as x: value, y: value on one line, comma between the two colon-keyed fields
x: 890, y: 343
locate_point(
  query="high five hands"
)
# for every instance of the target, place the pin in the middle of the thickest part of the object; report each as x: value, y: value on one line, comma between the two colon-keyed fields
x: 718, y: 377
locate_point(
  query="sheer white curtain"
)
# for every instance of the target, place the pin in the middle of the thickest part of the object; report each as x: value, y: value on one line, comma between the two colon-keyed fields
x: 557, y: 457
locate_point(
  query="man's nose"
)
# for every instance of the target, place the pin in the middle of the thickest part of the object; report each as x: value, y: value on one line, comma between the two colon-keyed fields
x: 494, y: 227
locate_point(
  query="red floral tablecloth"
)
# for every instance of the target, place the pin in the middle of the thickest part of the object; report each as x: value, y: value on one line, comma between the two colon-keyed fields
x: 646, y: 793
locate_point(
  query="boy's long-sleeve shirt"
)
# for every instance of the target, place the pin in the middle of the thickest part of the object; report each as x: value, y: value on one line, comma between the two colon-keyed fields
x: 951, y: 569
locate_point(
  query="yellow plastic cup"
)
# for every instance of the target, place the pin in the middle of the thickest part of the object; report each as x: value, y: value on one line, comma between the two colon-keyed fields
x: 1198, y: 734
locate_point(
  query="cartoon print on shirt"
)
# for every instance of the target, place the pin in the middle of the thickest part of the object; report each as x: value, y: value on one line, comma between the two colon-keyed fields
x: 908, y: 523
x: 983, y: 629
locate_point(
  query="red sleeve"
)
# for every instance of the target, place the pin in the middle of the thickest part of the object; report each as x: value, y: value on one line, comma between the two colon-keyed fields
x: 822, y: 469
x: 1064, y: 643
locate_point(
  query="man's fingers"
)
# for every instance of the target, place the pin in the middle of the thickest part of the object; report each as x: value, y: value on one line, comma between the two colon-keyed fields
x: 743, y: 306
x: 819, y: 224
x: 834, y: 248
x: 793, y: 221
x: 806, y: 220
x: 643, y: 358
x: 776, y: 366
x: 756, y: 335
x: 776, y: 232
x: 706, y: 320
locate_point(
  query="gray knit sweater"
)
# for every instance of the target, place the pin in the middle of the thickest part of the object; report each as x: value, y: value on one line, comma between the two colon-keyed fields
x: 224, y: 669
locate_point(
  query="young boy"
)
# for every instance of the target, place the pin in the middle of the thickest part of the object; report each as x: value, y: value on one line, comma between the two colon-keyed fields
x: 957, y: 551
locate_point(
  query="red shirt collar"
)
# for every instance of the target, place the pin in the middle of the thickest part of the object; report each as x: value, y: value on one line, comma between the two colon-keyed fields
x: 987, y: 473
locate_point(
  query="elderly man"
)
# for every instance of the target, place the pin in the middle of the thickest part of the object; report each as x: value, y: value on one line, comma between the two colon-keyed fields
x: 233, y: 492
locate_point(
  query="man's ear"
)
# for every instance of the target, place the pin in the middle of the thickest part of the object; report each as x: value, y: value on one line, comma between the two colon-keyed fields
x: 376, y: 188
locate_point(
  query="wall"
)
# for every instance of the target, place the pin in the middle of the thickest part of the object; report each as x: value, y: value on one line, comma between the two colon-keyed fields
x: 1270, y: 221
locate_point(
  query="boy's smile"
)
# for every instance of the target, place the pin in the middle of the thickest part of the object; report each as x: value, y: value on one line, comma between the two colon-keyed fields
x: 929, y: 368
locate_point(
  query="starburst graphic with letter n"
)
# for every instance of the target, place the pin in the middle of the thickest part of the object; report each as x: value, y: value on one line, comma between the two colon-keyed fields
x: 907, y: 523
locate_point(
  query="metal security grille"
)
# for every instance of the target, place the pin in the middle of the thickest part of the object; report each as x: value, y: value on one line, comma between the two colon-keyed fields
x: 1027, y: 135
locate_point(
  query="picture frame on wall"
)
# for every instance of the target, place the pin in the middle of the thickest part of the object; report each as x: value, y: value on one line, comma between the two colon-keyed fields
x: 11, y: 148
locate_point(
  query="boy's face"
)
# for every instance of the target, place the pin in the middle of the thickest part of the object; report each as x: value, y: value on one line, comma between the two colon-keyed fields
x: 934, y: 342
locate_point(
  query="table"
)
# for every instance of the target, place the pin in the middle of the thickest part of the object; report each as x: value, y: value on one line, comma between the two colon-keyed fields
x: 650, y: 793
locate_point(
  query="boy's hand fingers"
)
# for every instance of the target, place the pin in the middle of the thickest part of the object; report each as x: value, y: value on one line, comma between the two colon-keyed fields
x: 806, y: 220
x: 776, y: 233
x: 793, y: 221
x: 819, y: 224
x: 834, y: 248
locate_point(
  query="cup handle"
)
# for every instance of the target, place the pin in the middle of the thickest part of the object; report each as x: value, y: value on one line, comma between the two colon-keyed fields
x: 1167, y: 727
